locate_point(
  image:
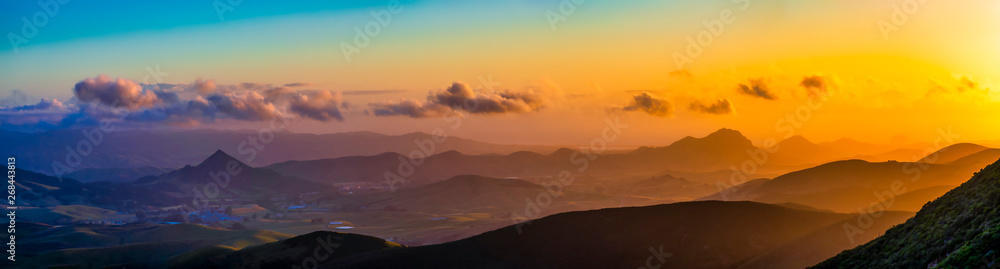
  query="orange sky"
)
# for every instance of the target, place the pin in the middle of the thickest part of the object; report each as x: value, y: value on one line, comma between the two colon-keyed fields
x: 933, y: 71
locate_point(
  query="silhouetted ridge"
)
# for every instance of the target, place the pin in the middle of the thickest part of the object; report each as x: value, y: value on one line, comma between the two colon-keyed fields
x: 961, y: 229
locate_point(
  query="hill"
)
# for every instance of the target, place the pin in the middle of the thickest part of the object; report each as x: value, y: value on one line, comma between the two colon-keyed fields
x: 961, y: 229
x: 681, y: 235
x: 472, y: 194
x: 117, y: 175
x: 845, y: 186
x: 300, y: 251
x: 139, y: 245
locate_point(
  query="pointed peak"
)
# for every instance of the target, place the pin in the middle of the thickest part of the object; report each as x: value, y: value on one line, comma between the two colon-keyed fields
x: 218, y: 159
x: 726, y: 132
x: 797, y: 139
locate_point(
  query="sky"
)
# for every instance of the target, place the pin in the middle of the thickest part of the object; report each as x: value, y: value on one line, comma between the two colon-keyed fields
x: 516, y: 71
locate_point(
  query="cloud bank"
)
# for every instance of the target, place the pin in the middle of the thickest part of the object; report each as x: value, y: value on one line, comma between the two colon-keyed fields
x: 719, y: 107
x: 757, y: 88
x: 460, y: 97
x: 650, y: 104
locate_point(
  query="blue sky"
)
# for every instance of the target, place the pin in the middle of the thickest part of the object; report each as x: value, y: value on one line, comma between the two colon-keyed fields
x: 80, y: 19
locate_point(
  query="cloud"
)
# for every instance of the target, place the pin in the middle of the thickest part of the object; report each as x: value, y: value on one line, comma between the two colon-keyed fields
x: 372, y: 92
x: 298, y: 84
x: 204, y: 87
x: 459, y: 96
x: 115, y: 93
x: 16, y: 98
x: 720, y: 107
x: 757, y: 88
x: 960, y: 87
x: 817, y: 84
x: 190, y: 112
x: 684, y: 73
x: 44, y: 104
x: 320, y: 105
x: 410, y: 108
x: 650, y: 104
x: 249, y: 106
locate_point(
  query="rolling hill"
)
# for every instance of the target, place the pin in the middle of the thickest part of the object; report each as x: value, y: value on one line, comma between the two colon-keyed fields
x: 138, y: 245
x: 301, y: 251
x: 845, y: 186
x: 961, y: 229
x: 708, y: 234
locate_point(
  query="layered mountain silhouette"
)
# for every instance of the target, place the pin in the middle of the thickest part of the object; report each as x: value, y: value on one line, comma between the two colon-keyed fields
x: 231, y: 177
x: 709, y: 234
x: 302, y: 251
x: 176, y: 187
x: 717, y: 151
x: 132, y: 148
x: 961, y: 229
x: 846, y: 186
x: 36, y: 189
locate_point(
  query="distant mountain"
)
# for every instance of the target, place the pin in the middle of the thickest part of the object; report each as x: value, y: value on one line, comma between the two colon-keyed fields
x: 474, y: 194
x: 430, y: 169
x: 232, y: 178
x: 665, y: 186
x: 961, y: 229
x: 953, y: 153
x: 824, y: 242
x: 682, y: 235
x: 117, y: 175
x: 845, y: 186
x: 133, y: 149
x: 716, y: 151
x: 40, y: 190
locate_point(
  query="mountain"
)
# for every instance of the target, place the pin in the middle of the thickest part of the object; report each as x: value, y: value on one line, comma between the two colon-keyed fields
x: 708, y: 234
x: 961, y: 229
x: 231, y: 177
x: 117, y: 175
x: 41, y: 190
x: 427, y: 170
x: 952, y: 153
x: 474, y: 194
x: 716, y: 151
x: 845, y: 186
x: 132, y: 148
x: 664, y: 186
x: 295, y: 252
x: 825, y: 242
